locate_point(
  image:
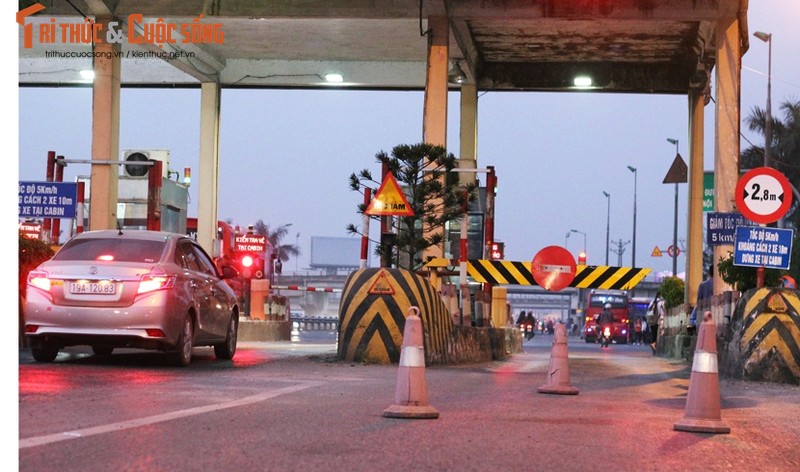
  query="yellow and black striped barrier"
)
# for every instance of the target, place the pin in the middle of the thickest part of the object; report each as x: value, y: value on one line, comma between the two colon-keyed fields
x: 770, y: 333
x: 519, y: 273
x: 372, y: 316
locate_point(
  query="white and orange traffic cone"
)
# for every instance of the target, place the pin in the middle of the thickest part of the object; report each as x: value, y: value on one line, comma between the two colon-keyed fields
x: 411, y: 394
x: 558, y: 372
x: 703, y: 413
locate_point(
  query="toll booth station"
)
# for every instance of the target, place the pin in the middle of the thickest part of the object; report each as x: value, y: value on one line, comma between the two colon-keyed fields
x: 135, y: 193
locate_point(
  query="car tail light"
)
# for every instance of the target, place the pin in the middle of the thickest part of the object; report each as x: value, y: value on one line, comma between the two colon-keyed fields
x: 40, y: 280
x: 155, y: 281
x: 155, y: 333
x: 31, y: 328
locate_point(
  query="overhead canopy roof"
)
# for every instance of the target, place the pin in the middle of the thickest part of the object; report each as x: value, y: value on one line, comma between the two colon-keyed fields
x: 643, y: 46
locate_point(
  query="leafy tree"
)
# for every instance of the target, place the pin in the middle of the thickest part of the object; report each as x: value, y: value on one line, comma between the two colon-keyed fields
x: 743, y: 278
x: 275, y: 237
x: 432, y: 192
x: 672, y: 289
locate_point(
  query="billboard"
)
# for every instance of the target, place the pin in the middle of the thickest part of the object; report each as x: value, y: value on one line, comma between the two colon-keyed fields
x: 335, y: 253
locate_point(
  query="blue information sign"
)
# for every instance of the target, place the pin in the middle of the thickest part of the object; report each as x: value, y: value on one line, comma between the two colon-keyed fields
x: 48, y: 199
x: 763, y: 247
x: 721, y: 227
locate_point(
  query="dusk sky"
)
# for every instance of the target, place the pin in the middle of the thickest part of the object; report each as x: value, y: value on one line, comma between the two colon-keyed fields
x: 286, y: 155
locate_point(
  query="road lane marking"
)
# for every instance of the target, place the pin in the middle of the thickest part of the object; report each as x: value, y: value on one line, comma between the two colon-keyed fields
x: 123, y: 425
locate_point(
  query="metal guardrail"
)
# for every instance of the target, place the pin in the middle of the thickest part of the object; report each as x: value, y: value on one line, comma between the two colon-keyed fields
x: 313, y: 323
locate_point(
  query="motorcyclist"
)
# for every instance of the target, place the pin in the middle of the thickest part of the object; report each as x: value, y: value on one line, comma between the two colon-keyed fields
x: 605, y: 319
x: 530, y: 321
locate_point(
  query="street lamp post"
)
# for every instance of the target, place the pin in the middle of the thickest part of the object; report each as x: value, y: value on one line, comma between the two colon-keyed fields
x: 767, y: 38
x: 608, y: 222
x: 675, y: 224
x: 633, y: 248
x: 584, y: 238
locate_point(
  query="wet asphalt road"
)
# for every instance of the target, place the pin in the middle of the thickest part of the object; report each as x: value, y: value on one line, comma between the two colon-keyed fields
x: 291, y: 406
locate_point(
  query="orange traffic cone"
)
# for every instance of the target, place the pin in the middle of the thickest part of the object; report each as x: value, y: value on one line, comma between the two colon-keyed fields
x: 411, y: 394
x: 702, y: 404
x: 558, y: 372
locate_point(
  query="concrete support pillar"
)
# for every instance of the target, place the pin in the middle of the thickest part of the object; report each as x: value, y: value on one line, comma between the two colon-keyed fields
x: 728, y: 118
x: 468, y: 137
x: 499, y: 306
x: 208, y: 179
x: 434, y: 122
x: 694, y: 224
x: 105, y: 134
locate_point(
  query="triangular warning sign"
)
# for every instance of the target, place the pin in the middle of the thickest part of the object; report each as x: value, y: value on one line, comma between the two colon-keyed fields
x: 678, y: 172
x: 381, y: 286
x: 389, y: 200
x: 656, y: 252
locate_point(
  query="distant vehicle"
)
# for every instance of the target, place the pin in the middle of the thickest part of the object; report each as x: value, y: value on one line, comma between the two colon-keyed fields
x: 619, y: 301
x: 139, y: 289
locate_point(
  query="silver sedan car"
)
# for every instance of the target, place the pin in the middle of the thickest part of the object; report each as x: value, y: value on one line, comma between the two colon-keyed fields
x: 124, y: 288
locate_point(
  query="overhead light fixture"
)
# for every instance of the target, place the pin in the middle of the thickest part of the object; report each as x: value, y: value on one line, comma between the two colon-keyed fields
x: 582, y: 81
x: 87, y: 74
x: 456, y: 74
x: 336, y: 78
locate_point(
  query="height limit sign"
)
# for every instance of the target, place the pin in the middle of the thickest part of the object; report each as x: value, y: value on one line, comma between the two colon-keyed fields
x: 763, y: 195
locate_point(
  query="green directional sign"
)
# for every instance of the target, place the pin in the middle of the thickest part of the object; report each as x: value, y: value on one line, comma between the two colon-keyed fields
x: 708, y: 191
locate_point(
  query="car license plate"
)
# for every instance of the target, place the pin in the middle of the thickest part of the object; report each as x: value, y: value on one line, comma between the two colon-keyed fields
x: 92, y: 288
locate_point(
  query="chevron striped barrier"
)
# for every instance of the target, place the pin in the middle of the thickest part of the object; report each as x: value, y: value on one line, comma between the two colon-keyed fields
x: 519, y: 273
x: 372, y: 316
x: 770, y: 336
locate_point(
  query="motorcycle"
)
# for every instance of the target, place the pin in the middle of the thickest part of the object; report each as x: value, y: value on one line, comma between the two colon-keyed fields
x: 605, y: 336
x: 527, y: 330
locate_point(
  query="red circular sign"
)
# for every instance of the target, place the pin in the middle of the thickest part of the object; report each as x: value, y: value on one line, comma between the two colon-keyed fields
x: 763, y: 195
x: 553, y: 268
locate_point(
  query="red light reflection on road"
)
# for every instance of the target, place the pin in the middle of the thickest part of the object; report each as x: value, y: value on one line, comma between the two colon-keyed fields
x: 250, y: 358
x: 44, y: 381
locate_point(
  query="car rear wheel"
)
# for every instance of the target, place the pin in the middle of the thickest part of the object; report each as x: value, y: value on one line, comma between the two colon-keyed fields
x: 102, y: 350
x: 183, y: 355
x: 44, y: 354
x: 227, y: 349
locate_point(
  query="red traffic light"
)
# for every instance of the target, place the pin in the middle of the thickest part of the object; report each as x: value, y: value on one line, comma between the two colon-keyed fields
x: 247, y: 260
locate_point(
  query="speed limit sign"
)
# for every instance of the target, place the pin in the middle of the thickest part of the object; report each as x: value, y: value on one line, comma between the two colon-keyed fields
x: 763, y: 195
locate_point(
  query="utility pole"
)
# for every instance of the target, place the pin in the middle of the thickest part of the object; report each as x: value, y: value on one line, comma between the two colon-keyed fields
x: 619, y: 249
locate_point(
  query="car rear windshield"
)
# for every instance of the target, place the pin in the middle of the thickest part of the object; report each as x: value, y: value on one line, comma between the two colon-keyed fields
x: 112, y: 249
